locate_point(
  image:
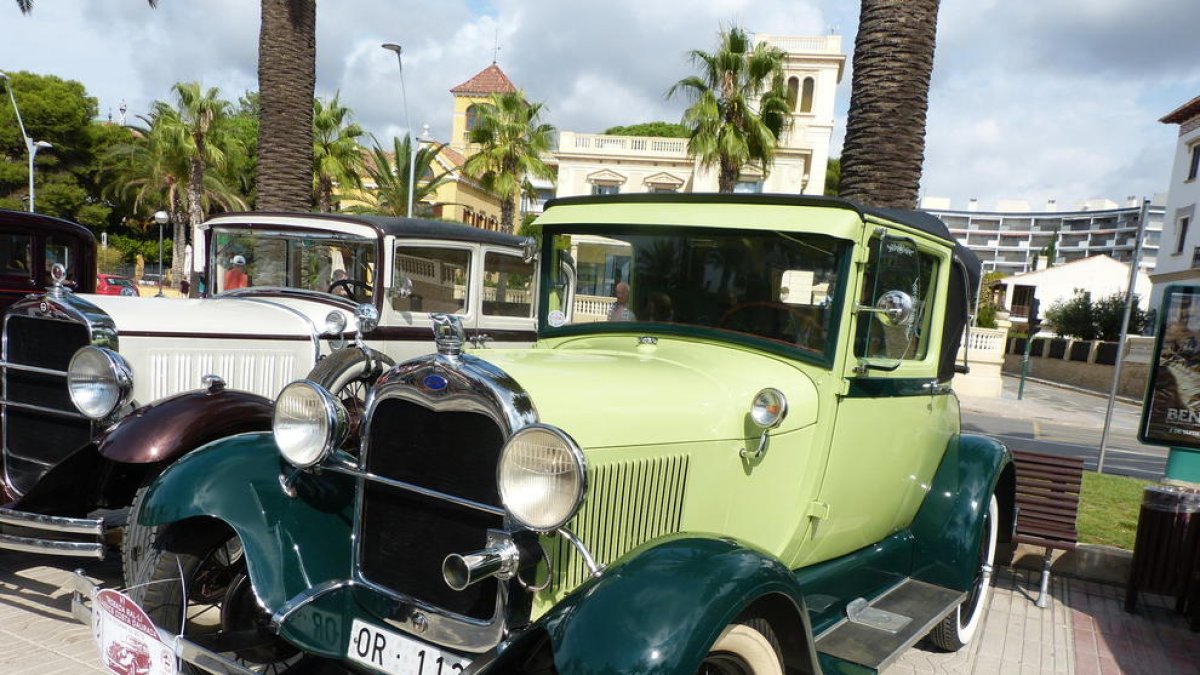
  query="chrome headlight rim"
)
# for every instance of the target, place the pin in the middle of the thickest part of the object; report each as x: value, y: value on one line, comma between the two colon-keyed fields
x: 333, y: 418
x: 579, y: 463
x: 119, y: 373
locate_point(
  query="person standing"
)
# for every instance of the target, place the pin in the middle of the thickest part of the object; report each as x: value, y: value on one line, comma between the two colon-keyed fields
x: 235, y: 276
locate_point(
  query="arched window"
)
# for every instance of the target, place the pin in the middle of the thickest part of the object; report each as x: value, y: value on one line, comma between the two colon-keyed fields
x: 472, y: 116
x: 792, y: 92
x: 806, y: 96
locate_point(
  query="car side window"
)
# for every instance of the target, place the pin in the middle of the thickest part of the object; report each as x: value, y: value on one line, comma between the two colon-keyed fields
x: 896, y: 301
x: 431, y: 279
x: 507, y: 285
x: 16, y: 253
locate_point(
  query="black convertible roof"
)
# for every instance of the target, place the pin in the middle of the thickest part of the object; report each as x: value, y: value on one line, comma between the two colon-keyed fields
x: 406, y: 228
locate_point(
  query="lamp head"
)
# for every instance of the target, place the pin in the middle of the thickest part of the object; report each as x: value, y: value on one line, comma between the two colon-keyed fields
x: 43, y: 145
x: 162, y: 217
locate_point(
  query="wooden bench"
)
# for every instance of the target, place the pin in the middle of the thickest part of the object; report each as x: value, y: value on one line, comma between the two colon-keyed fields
x: 1047, y: 494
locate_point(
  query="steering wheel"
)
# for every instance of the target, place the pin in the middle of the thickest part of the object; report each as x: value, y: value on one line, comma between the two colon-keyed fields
x: 349, y: 286
x: 800, y: 328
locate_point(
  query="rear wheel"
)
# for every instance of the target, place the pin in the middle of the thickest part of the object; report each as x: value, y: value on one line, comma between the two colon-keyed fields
x: 197, y: 586
x: 745, y: 648
x: 956, y: 630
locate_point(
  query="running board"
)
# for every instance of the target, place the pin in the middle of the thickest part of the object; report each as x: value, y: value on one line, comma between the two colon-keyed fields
x: 856, y: 642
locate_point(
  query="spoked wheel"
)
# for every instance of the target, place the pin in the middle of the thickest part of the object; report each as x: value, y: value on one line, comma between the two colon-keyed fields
x: 348, y: 374
x: 748, y: 648
x: 956, y: 630
x: 198, y: 587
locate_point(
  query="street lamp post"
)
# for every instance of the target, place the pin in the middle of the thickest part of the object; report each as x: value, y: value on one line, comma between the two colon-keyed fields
x: 412, y: 146
x: 31, y: 147
x: 162, y: 218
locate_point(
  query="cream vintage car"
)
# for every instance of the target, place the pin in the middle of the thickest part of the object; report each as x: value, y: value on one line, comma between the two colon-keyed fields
x: 100, y: 392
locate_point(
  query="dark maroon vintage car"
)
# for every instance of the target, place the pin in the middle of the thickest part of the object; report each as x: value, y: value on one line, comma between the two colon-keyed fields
x: 31, y: 243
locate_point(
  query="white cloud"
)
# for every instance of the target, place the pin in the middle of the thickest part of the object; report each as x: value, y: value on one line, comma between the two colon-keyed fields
x: 1029, y: 100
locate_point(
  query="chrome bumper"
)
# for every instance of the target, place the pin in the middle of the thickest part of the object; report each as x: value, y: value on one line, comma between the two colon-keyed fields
x: 83, y: 590
x: 89, y: 527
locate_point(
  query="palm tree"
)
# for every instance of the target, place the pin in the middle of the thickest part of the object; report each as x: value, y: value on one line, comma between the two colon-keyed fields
x: 390, y: 174
x: 195, y: 121
x: 287, y: 74
x: 739, y: 106
x: 512, y: 140
x: 885, y: 129
x: 337, y: 156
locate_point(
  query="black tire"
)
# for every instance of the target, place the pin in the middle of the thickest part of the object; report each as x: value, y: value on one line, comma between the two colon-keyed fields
x: 747, y: 647
x: 135, y: 545
x: 205, y: 557
x: 957, y: 629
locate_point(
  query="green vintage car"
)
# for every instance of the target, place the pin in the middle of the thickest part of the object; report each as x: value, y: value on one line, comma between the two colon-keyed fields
x: 733, y: 449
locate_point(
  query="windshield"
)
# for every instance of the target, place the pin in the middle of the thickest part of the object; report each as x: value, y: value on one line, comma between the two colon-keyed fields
x: 331, y: 263
x: 774, y: 285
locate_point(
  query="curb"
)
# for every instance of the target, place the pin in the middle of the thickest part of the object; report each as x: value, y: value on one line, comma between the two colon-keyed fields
x: 1071, y: 387
x: 1087, y: 562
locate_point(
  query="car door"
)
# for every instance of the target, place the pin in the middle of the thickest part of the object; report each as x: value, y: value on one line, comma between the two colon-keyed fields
x: 506, y: 316
x: 892, y: 422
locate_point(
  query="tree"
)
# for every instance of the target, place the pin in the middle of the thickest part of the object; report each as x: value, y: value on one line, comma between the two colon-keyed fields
x: 287, y: 65
x: 337, y: 157
x: 390, y: 174
x: 660, y: 129
x: 1083, y: 319
x: 739, y: 106
x: 1110, y: 310
x: 195, y: 125
x: 833, y: 176
x: 885, y: 129
x: 512, y: 140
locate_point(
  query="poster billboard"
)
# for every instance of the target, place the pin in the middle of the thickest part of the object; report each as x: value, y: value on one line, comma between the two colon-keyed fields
x: 1171, y: 410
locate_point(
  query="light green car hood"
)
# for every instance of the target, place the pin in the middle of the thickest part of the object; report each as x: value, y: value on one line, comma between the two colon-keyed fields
x: 608, y: 391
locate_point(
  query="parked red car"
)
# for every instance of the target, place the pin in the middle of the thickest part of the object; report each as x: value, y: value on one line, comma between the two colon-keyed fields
x: 111, y: 284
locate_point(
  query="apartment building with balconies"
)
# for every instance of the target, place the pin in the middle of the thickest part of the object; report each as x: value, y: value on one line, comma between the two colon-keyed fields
x: 1012, y: 238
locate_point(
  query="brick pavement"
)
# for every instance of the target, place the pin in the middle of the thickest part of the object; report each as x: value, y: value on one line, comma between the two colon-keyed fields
x: 1085, y: 631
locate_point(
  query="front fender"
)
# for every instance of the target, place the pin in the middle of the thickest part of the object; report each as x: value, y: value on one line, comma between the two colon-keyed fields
x: 291, y: 543
x: 660, y: 609
x: 165, y: 430
x: 947, y: 526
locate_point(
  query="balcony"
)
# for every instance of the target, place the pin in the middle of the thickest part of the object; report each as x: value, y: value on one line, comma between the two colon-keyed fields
x: 625, y: 146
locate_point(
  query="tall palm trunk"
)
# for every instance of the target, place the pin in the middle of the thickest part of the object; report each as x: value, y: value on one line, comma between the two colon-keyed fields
x: 885, y: 130
x: 287, y: 55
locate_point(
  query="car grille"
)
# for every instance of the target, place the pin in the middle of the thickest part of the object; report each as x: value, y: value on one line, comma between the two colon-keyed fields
x: 37, y: 439
x: 406, y: 536
x: 628, y: 503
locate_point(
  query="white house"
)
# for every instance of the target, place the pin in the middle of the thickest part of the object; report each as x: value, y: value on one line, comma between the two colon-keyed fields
x: 1179, y: 254
x: 602, y: 164
x: 1099, y: 275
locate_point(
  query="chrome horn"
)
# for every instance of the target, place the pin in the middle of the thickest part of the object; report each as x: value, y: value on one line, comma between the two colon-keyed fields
x: 500, y: 559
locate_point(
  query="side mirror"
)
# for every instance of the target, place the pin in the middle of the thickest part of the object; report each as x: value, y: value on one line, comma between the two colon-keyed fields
x: 895, y: 308
x: 529, y: 249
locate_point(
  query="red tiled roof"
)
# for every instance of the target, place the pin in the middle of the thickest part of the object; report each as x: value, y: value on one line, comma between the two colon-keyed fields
x: 457, y: 158
x: 1183, y: 113
x: 490, y: 80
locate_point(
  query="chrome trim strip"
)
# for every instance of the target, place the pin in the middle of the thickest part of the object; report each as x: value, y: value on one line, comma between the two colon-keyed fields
x: 314, y: 334
x: 295, y: 604
x: 78, y: 549
x: 49, y: 411
x: 32, y: 369
x: 424, y: 492
x: 93, y: 526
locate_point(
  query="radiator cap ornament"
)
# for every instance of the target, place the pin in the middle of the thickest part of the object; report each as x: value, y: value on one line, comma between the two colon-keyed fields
x: 448, y: 334
x: 58, y: 274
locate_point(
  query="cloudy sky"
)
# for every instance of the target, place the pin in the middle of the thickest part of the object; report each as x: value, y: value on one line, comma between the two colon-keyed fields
x: 1031, y: 99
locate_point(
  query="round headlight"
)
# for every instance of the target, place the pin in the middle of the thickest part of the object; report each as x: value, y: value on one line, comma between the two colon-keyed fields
x: 542, y: 477
x: 309, y: 423
x: 99, y: 380
x: 335, y: 324
x: 768, y: 408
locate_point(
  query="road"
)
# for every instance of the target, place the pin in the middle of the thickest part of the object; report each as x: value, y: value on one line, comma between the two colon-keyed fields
x: 1066, y: 422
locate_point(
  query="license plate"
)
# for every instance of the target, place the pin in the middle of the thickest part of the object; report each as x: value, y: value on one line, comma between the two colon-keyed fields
x: 398, y: 654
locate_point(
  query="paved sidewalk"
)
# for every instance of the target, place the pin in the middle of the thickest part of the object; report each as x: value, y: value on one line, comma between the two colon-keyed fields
x: 1085, y: 630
